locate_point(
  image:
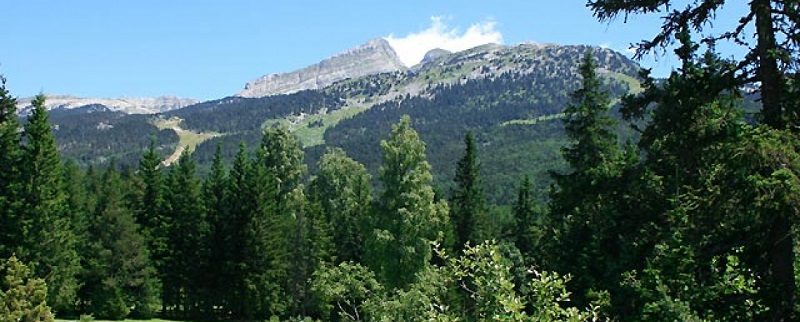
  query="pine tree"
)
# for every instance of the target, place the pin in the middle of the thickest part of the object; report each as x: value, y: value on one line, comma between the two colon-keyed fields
x: 120, y: 275
x: 467, y: 204
x: 186, y: 241
x: 407, y: 218
x: 342, y: 190
x: 10, y: 234
x: 48, y: 241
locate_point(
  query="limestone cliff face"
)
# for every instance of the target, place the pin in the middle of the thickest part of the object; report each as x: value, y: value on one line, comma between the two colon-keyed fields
x: 128, y: 105
x: 373, y: 57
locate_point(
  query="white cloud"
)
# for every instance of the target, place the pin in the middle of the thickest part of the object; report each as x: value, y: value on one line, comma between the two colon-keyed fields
x: 412, y: 47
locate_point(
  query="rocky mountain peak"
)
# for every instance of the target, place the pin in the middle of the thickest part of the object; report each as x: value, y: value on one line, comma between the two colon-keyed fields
x: 373, y: 57
x: 434, y: 54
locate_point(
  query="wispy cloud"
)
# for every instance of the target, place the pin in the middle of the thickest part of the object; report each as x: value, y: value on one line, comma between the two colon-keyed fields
x: 411, y: 48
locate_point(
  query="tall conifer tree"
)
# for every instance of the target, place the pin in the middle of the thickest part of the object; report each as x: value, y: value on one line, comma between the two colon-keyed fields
x: 580, y: 206
x: 9, y: 172
x: 186, y: 239
x: 467, y: 204
x: 217, y: 256
x: 48, y: 242
x: 120, y: 279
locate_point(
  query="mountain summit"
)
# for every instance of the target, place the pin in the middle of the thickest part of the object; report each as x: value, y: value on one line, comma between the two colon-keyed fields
x: 374, y: 57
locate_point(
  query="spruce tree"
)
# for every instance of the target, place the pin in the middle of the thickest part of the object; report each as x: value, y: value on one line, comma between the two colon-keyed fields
x: 246, y: 257
x: 149, y: 209
x: 120, y: 280
x: 289, y: 221
x: 216, y: 212
x: 10, y: 234
x: 524, y: 218
x: 48, y: 239
x: 186, y: 240
x: 407, y: 218
x: 581, y: 211
x: 467, y: 205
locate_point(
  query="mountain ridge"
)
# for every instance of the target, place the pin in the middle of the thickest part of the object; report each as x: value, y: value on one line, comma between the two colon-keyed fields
x: 127, y: 105
x: 373, y: 57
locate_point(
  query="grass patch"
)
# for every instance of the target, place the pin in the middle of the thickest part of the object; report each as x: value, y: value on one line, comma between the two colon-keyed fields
x: 634, y: 85
x: 534, y: 120
x: 187, y: 139
x: 311, y: 131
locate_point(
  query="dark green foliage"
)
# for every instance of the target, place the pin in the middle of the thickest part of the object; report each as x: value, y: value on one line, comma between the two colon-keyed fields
x: 149, y: 209
x: 298, y: 231
x: 234, y: 114
x: 467, y: 204
x: 186, y: 241
x: 342, y: 190
x: 528, y: 228
x: 99, y: 136
x: 214, y: 274
x: 47, y: 240
x: 247, y: 262
x: 120, y: 279
x: 9, y: 171
x: 22, y: 296
x: 767, y: 55
x: 581, y: 208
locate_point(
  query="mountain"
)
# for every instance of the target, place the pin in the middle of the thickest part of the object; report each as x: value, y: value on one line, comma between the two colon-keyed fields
x: 373, y: 57
x: 511, y: 97
x: 127, y: 105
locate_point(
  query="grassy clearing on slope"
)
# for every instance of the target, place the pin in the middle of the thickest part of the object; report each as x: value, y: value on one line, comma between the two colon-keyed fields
x: 311, y: 134
x: 534, y: 120
x: 634, y: 85
x: 186, y: 138
x: 311, y: 129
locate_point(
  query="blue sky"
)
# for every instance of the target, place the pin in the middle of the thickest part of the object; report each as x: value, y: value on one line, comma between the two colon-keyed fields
x: 209, y: 49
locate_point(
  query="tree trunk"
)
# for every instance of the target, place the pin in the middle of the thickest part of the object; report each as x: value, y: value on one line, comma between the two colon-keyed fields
x: 771, y: 78
x: 782, y: 289
x: 780, y: 251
